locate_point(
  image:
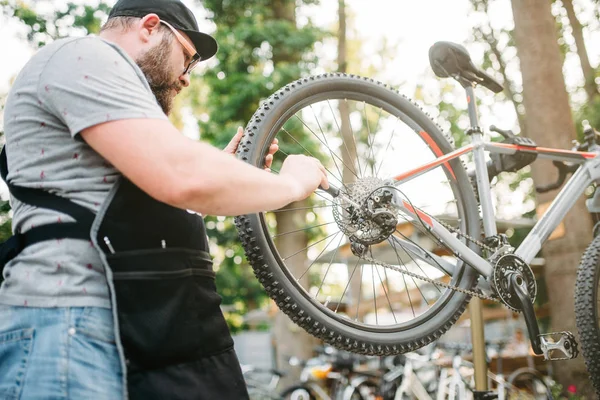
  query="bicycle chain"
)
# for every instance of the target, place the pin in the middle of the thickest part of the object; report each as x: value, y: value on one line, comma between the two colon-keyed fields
x: 437, y: 283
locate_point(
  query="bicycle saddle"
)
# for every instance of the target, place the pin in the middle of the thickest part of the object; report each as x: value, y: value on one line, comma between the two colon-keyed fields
x: 449, y: 59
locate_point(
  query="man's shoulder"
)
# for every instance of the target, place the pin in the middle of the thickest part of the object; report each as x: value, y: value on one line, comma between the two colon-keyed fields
x: 89, y: 56
x: 88, y: 45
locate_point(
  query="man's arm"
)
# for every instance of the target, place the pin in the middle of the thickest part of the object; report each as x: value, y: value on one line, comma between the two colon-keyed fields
x: 192, y: 175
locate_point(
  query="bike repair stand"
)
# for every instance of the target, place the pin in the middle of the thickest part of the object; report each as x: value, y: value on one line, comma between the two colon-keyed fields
x: 479, y: 358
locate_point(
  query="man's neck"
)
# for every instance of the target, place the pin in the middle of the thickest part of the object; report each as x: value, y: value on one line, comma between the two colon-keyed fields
x: 122, y: 40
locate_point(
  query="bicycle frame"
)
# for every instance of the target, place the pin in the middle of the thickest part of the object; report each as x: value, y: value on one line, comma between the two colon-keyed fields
x: 587, y: 173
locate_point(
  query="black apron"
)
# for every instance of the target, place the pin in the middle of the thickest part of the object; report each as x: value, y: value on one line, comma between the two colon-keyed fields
x: 172, y: 336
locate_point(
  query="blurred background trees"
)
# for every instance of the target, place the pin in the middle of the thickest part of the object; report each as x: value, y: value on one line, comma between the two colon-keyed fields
x: 540, y: 50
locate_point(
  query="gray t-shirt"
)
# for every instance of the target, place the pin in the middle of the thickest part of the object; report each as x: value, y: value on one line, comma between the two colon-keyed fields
x: 69, y: 85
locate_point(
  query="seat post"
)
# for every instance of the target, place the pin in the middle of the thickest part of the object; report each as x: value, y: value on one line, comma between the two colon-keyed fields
x: 472, y: 107
x: 483, y: 181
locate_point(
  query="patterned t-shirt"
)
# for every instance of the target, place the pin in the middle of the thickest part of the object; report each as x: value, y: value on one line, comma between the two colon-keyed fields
x: 69, y: 85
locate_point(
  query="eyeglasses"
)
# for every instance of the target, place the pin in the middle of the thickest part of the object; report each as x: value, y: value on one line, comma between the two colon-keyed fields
x: 195, y: 57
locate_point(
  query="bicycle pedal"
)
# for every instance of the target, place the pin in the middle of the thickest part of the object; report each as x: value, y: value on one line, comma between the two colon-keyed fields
x: 558, y: 346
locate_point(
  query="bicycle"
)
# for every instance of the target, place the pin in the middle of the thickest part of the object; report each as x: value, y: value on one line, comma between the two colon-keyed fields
x: 331, y: 375
x: 419, y: 378
x: 456, y: 382
x: 262, y: 382
x: 386, y: 260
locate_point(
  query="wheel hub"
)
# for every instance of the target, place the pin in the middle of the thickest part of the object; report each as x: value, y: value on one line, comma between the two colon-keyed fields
x: 371, y: 219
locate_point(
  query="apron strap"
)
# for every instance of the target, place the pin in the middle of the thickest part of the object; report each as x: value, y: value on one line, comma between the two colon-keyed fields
x: 16, y: 243
x: 43, y: 199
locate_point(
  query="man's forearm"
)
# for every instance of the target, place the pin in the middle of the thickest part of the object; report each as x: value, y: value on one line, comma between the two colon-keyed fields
x: 218, y: 184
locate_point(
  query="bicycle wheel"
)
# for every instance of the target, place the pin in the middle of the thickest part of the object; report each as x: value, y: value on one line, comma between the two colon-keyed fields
x: 586, y: 310
x: 526, y: 384
x: 298, y: 392
x: 308, y: 255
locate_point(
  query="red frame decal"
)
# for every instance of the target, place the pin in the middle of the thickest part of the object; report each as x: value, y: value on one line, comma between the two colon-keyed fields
x: 424, y: 217
x: 435, y: 163
x: 436, y: 150
x: 530, y: 149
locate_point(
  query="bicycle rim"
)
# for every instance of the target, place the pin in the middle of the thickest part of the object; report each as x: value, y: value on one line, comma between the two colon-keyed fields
x: 363, y: 136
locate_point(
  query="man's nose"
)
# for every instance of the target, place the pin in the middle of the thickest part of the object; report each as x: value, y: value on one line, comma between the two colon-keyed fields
x: 185, y: 80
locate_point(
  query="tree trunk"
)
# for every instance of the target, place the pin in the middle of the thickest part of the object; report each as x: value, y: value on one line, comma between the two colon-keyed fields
x: 289, y: 339
x: 589, y: 74
x: 342, y: 53
x: 550, y: 124
x: 348, y: 150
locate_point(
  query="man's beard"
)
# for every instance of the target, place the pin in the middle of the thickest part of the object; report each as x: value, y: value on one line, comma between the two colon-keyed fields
x: 154, y: 65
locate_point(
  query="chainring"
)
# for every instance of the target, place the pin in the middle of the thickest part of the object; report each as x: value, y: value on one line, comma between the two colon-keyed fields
x: 503, y: 267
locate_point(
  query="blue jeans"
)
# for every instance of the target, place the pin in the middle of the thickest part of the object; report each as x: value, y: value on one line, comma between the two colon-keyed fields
x: 58, y: 353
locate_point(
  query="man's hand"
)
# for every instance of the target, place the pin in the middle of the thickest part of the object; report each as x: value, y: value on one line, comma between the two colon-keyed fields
x: 235, y: 142
x: 305, y: 175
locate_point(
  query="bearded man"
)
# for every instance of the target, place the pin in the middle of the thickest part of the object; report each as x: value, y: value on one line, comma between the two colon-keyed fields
x: 108, y: 287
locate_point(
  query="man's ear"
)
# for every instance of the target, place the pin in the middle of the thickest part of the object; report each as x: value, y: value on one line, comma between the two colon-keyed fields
x: 149, y: 25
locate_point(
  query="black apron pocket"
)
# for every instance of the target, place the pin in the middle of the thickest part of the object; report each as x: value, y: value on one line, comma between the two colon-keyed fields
x: 216, y: 377
x: 168, y: 307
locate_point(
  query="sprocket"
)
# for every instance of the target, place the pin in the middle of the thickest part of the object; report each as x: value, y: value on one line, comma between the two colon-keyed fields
x: 504, y: 266
x: 370, y: 218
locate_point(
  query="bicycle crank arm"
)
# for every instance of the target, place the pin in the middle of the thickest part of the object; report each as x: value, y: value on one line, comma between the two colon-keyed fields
x: 566, y: 345
x: 518, y: 286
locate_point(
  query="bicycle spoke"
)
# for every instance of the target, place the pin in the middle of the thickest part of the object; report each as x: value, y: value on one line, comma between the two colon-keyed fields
x: 302, y: 208
x: 348, y: 284
x: 302, y: 229
x: 404, y: 279
x: 386, y: 295
x: 415, y: 261
x: 317, y: 257
x: 324, y: 144
x: 413, y: 279
x: 310, y: 154
x: 327, y: 145
x: 343, y: 139
x: 387, y: 147
x: 372, y: 145
x: 359, y: 290
x: 374, y: 295
x: 388, y: 284
x: 355, y: 146
x: 299, y: 251
x: 316, y: 192
x: 329, y: 266
x: 382, y: 285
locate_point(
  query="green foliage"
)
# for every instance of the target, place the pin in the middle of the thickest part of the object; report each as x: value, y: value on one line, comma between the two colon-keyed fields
x: 558, y: 392
x: 259, y: 51
x: 73, y: 19
x: 261, y: 48
x: 590, y: 112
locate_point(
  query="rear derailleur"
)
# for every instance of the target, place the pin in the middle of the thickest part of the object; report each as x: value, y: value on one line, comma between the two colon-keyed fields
x: 371, y: 220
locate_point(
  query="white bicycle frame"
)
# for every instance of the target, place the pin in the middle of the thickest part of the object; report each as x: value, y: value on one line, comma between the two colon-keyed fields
x: 586, y: 174
x: 411, y: 384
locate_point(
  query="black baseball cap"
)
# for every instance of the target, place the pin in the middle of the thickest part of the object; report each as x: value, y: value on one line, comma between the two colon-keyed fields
x: 175, y: 13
